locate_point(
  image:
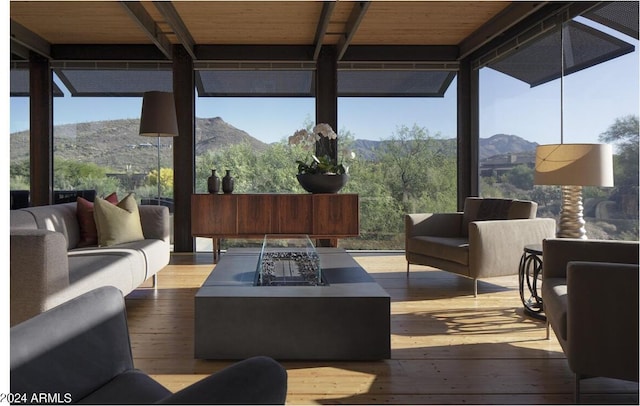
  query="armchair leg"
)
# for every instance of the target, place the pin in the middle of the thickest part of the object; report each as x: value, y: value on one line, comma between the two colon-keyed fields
x: 154, y: 281
x: 407, y: 269
x: 576, y: 389
x: 475, y: 287
x: 548, y: 328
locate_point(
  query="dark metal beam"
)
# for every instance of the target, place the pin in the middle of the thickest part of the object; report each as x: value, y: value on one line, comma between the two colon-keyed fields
x: 300, y: 53
x: 355, y: 18
x: 323, y: 24
x: 113, y: 53
x: 178, y: 26
x: 19, y: 50
x: 507, y: 18
x: 26, y: 38
x: 148, y: 25
x: 401, y: 53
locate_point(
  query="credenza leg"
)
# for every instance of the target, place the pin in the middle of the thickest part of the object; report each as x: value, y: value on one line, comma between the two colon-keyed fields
x: 216, y: 249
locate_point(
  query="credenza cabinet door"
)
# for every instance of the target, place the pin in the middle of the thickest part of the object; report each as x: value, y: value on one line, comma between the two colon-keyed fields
x: 214, y: 214
x: 335, y: 215
x: 294, y: 214
x: 255, y: 214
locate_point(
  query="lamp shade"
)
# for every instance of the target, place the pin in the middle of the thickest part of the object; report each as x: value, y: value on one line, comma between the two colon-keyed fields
x: 158, y: 118
x: 574, y: 165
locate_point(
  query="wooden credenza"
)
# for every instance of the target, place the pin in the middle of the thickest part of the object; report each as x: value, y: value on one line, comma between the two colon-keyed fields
x: 320, y: 216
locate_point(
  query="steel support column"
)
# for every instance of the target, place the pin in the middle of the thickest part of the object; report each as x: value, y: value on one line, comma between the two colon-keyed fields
x: 40, y: 130
x: 183, y: 148
x: 327, y: 92
x: 468, y: 132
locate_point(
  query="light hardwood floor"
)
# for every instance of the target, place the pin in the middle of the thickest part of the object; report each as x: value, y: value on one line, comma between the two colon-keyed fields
x: 447, y: 346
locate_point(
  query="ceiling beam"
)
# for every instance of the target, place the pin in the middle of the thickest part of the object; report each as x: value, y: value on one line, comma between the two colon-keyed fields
x: 323, y: 24
x: 28, y: 39
x: 19, y: 50
x: 137, y: 12
x: 178, y: 26
x: 116, y: 52
x: 355, y: 18
x: 507, y: 18
x: 401, y: 53
x: 299, y: 53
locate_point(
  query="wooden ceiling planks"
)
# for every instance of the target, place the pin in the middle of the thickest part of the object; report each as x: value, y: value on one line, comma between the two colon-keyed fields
x: 259, y: 22
x: 423, y: 22
x: 251, y: 22
x: 78, y: 22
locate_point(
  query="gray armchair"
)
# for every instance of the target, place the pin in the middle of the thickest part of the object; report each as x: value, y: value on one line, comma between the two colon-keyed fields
x: 485, y: 240
x: 590, y: 298
x: 79, y: 352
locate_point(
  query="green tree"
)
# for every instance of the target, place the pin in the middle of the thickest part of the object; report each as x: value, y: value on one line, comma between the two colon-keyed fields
x: 417, y: 169
x: 520, y: 176
x: 624, y: 133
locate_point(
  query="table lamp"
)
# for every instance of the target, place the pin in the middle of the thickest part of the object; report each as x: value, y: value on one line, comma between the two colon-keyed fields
x: 573, y: 166
x: 158, y: 119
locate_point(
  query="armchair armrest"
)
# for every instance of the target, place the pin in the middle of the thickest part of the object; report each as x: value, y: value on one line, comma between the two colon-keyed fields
x: 39, y: 268
x: 495, y: 246
x: 155, y: 222
x: 602, y: 319
x: 437, y: 224
x: 558, y: 252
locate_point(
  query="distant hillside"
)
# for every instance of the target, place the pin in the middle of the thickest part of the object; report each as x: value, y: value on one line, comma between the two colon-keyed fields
x: 116, y: 143
x: 499, y: 144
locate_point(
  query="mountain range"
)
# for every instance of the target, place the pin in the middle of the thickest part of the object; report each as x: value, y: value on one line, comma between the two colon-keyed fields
x: 117, y: 144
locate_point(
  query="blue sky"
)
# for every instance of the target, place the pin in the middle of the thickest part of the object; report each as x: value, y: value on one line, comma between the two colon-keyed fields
x: 593, y: 99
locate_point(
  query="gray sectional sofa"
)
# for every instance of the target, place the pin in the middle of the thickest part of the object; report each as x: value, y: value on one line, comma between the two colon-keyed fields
x: 48, y: 267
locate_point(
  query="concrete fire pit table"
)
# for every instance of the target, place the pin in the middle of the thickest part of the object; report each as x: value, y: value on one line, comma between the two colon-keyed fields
x: 347, y: 318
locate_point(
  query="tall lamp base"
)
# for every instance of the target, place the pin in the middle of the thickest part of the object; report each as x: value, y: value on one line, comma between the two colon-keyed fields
x: 571, y: 221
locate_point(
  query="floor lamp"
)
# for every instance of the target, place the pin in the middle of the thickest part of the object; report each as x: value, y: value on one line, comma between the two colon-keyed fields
x: 573, y: 166
x: 158, y: 119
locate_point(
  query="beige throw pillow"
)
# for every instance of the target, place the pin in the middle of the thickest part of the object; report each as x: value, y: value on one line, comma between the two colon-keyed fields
x: 117, y: 224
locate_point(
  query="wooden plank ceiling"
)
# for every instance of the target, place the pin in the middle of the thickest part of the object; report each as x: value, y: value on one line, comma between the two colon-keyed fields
x: 311, y: 23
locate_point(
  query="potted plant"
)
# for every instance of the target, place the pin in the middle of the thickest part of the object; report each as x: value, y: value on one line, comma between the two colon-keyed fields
x: 322, y: 174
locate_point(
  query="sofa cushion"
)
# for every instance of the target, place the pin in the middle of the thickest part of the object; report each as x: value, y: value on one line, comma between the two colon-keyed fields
x: 58, y: 217
x: 447, y: 248
x: 86, y: 222
x: 155, y: 252
x: 117, y: 224
x: 123, y: 268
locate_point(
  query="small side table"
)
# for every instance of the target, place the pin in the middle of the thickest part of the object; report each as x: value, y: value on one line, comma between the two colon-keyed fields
x: 530, y: 271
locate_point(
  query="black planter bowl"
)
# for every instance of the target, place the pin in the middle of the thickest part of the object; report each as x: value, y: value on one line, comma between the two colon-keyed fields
x: 320, y: 183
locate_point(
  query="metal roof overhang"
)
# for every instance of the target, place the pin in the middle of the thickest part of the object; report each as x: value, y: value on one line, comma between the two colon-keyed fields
x: 538, y: 61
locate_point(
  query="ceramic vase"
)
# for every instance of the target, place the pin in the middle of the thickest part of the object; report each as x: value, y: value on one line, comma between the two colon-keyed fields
x: 227, y: 183
x: 213, y: 182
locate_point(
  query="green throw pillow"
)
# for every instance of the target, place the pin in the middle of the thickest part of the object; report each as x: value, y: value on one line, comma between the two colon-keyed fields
x: 117, y: 224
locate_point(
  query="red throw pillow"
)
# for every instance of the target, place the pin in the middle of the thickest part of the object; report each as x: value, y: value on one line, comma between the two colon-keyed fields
x: 88, y: 230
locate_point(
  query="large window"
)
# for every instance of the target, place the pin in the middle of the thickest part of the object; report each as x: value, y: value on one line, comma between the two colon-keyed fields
x: 593, y: 98
x: 97, y: 146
